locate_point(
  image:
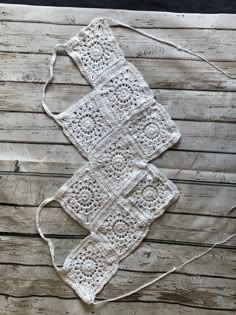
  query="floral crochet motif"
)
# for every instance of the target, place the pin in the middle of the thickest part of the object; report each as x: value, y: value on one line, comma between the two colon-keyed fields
x: 123, y: 229
x: 152, y: 193
x: 153, y: 130
x: 83, y: 197
x: 89, y: 266
x: 85, y: 124
x: 118, y: 128
x: 116, y: 161
x: 95, y: 51
x: 126, y: 91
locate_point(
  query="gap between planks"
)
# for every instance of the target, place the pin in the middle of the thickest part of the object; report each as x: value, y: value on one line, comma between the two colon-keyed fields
x: 42, y: 39
x: 61, y: 305
x: 72, y: 16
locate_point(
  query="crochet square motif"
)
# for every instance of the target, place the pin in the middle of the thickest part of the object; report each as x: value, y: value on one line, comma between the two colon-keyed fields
x: 119, y: 127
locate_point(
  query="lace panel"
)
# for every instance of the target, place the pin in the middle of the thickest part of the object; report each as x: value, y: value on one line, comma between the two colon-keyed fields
x: 89, y: 266
x: 122, y: 228
x: 86, y: 123
x: 116, y: 160
x: 152, y: 193
x: 95, y: 51
x: 83, y: 197
x: 119, y: 127
x: 126, y: 91
x: 153, y: 130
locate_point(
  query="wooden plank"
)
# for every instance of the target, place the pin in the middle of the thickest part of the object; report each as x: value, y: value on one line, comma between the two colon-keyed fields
x: 39, y: 128
x: 175, y: 74
x: 148, y: 257
x: 197, y: 219
x: 189, y: 290
x: 65, y: 159
x: 198, y: 105
x: 181, y: 104
x: 30, y: 190
x: 56, y: 306
x: 211, y: 43
x: 57, y: 15
x: 27, y: 97
x: 171, y: 227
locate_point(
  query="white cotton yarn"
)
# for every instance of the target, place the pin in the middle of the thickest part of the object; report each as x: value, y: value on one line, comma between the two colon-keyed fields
x: 119, y: 128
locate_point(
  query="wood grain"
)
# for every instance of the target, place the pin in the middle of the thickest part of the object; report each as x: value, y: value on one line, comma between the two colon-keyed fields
x: 42, y: 37
x: 196, y: 197
x: 171, y: 227
x: 174, y: 74
x: 181, y: 104
x: 65, y: 159
x: 191, y: 290
x: 58, y: 306
x: 148, y: 257
x: 82, y: 16
x: 36, y: 159
x: 195, y: 135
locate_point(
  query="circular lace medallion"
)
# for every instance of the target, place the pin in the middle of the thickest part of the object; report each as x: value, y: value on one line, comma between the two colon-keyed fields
x: 88, y: 267
x: 120, y: 228
x: 118, y: 163
x: 85, y: 196
x: 96, y: 51
x: 151, y: 130
x: 149, y: 194
x: 87, y: 124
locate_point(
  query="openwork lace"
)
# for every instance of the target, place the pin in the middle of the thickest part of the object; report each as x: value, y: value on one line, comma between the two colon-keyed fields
x: 119, y: 128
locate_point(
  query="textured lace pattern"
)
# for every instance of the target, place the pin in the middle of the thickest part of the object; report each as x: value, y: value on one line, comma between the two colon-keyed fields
x: 115, y: 160
x: 153, y: 130
x: 126, y: 91
x: 83, y: 196
x: 86, y: 123
x: 95, y: 51
x: 119, y: 127
x: 89, y: 266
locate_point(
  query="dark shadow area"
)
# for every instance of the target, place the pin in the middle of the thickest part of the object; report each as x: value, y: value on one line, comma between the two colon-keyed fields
x: 182, y: 6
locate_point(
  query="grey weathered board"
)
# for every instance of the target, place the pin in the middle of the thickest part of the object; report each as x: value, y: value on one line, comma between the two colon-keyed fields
x: 36, y: 159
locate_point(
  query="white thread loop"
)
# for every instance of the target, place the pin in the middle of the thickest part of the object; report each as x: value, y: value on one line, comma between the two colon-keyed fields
x: 47, y: 240
x: 172, y: 45
x: 142, y: 164
x: 51, y: 68
x: 167, y: 273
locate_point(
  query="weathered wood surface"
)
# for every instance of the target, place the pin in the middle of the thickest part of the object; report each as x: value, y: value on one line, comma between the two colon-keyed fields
x: 31, y: 251
x: 171, y: 73
x: 181, y: 104
x: 48, y: 158
x: 38, y: 128
x: 177, y: 228
x: 20, y: 280
x: 52, y: 305
x: 42, y: 37
x: 82, y: 16
x: 196, y: 197
x: 36, y: 159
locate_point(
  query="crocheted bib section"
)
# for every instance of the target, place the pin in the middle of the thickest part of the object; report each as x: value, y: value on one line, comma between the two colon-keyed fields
x: 119, y: 127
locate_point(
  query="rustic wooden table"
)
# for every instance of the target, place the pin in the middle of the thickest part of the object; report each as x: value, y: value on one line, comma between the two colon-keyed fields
x: 36, y: 159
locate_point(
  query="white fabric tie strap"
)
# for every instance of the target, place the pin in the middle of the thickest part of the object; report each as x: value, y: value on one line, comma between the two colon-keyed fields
x: 51, y: 249
x: 170, y: 44
x: 47, y: 240
x: 168, y: 272
x: 51, y: 69
x: 89, y: 176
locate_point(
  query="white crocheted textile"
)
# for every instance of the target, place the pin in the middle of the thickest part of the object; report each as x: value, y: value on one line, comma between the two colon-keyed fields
x: 119, y: 127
